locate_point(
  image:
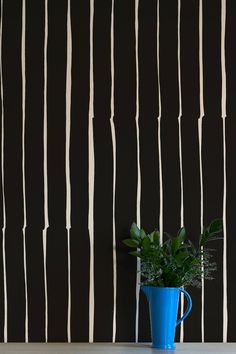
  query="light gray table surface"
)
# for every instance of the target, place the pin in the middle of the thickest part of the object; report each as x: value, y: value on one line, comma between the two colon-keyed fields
x: 59, y: 348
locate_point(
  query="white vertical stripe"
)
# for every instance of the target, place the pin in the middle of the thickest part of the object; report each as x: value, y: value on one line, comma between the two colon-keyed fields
x: 67, y: 161
x: 201, y: 97
x: 225, y: 302
x: 224, y: 114
x: 91, y: 180
x: 201, y: 213
x: 23, y: 73
x: 223, y: 67
x: 180, y: 160
x: 113, y: 136
x: 201, y: 101
x: 179, y: 120
x: 159, y: 125
x: 69, y: 288
x: 3, y: 190
x: 45, y: 170
x: 45, y: 282
x: 138, y: 201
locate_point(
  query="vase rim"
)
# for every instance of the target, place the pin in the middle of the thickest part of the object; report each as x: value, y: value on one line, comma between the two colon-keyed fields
x: 162, y: 287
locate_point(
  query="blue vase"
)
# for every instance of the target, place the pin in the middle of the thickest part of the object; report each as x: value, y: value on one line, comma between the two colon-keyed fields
x: 163, y: 309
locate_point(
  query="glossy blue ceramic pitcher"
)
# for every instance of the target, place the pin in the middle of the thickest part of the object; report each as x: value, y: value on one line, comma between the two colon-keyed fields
x: 163, y: 309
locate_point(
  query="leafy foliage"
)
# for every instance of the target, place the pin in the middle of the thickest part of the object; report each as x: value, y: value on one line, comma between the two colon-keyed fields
x: 176, y: 262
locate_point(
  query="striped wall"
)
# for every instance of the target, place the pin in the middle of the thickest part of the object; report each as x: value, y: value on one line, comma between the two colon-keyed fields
x: 111, y: 112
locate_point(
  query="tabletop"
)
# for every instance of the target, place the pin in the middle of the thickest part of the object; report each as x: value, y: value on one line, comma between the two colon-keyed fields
x: 118, y: 348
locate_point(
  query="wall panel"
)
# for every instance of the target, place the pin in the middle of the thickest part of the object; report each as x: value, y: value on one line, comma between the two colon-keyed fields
x: 46, y: 290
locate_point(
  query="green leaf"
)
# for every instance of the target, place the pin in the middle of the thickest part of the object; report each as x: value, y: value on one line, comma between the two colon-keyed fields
x: 209, y: 233
x: 213, y: 238
x: 181, y: 234
x: 142, y: 234
x: 215, y: 226
x: 131, y: 243
x: 150, y: 236
x: 135, y: 232
x: 135, y: 254
x: 204, y: 237
x: 156, y: 237
x: 180, y: 258
x: 146, y: 243
x: 175, y: 244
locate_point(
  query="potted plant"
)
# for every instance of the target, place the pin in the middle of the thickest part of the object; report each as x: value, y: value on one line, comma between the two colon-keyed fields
x: 168, y: 268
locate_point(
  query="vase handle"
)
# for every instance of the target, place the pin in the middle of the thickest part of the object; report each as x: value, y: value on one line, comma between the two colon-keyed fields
x: 188, y: 308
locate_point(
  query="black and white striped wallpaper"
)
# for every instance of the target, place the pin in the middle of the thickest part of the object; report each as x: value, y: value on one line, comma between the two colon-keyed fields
x: 112, y: 111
